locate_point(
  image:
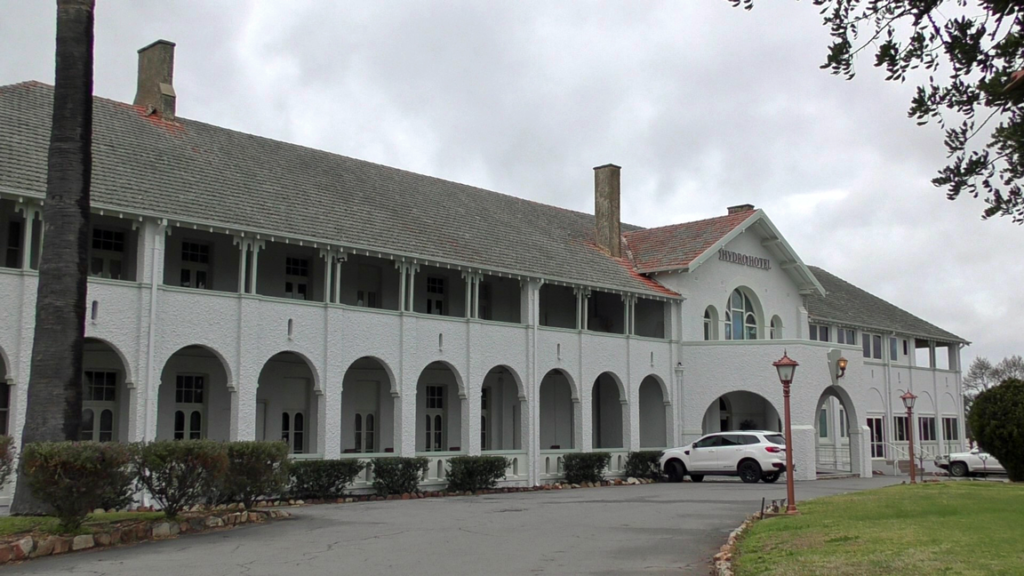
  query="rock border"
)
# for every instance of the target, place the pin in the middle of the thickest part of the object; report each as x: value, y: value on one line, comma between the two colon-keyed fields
x: 722, y: 561
x: 28, y: 546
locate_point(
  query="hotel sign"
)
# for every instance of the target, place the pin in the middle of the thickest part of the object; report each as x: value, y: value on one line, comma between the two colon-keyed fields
x: 752, y: 261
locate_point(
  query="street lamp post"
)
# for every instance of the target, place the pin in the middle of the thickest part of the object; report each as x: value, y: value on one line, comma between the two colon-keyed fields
x: 908, y: 402
x: 787, y: 367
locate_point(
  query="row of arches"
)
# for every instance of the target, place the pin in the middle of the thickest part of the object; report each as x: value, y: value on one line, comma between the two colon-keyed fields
x: 742, y: 318
x: 196, y: 399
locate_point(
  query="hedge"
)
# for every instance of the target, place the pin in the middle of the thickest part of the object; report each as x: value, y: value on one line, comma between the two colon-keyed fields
x: 6, y: 459
x: 181, y: 473
x: 398, y: 475
x: 255, y: 470
x: 74, y: 478
x: 324, y: 479
x: 644, y: 464
x: 585, y: 466
x: 475, y: 472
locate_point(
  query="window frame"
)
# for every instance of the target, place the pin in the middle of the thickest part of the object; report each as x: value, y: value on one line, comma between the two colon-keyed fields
x: 107, y: 256
x: 298, y: 275
x: 203, y: 252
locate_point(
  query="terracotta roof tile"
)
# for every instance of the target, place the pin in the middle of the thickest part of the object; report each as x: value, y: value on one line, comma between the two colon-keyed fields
x: 678, y: 245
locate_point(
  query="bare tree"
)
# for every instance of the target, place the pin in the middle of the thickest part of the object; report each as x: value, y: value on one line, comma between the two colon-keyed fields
x: 54, y: 408
x: 1009, y: 367
x: 980, y: 377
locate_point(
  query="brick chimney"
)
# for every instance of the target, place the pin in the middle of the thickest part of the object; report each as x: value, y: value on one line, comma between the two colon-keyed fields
x: 606, y: 208
x: 741, y: 208
x: 156, y: 72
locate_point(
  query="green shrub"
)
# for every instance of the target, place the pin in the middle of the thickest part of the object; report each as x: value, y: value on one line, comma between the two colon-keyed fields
x: 181, y: 473
x: 585, y: 466
x: 74, y: 478
x: 475, y: 472
x: 323, y: 479
x: 644, y: 464
x: 398, y: 475
x: 997, y: 420
x: 6, y: 459
x: 255, y: 469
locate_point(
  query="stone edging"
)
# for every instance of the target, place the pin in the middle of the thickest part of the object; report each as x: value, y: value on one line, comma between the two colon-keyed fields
x: 723, y: 560
x: 29, y: 546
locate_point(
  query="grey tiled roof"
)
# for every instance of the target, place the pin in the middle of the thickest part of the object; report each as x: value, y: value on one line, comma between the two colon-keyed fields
x: 847, y: 304
x: 202, y: 173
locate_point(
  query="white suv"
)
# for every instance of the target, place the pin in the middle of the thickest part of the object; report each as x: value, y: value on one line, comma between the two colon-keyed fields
x: 973, y: 463
x: 750, y: 454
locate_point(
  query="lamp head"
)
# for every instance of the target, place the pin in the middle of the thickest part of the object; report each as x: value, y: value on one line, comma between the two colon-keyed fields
x: 908, y: 400
x: 841, y: 365
x: 786, y: 367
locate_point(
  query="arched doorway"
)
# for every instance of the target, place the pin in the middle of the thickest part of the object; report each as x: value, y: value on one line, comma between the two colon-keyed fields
x: 741, y: 410
x: 837, y: 435
x: 194, y: 401
x: 105, y: 394
x: 654, y: 414
x: 5, y: 396
x: 502, y: 405
x: 609, y: 409
x: 559, y: 407
x: 287, y: 405
x: 440, y: 409
x: 368, y: 408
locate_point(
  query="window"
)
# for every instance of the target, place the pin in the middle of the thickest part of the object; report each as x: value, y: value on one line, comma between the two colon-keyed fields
x: 296, y: 278
x: 899, y: 428
x: 844, y: 430
x: 5, y: 407
x: 778, y: 439
x: 100, y: 386
x: 823, y: 423
x: 293, y: 431
x: 107, y: 253
x: 99, y: 396
x: 365, y: 433
x: 926, y: 427
x: 711, y: 324
x: 906, y: 350
x: 846, y: 336
x: 195, y: 264
x: 435, y: 295
x: 368, y: 294
x: 776, y: 328
x: 13, y: 256
x: 819, y: 333
x: 485, y: 397
x: 189, y: 406
x: 872, y: 344
x: 877, y: 437
x: 709, y: 442
x: 894, y: 348
x: 740, y: 319
x: 485, y: 301
x: 435, y: 416
x: 950, y: 429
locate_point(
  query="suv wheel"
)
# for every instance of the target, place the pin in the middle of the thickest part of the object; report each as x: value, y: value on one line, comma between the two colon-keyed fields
x: 749, y: 471
x: 675, y: 470
x: 770, y: 478
x: 958, y: 469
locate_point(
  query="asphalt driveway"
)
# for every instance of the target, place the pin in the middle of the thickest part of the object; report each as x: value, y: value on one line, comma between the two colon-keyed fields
x: 648, y: 529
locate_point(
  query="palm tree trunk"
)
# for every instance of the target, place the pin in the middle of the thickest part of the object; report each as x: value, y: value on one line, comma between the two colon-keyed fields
x: 54, y: 408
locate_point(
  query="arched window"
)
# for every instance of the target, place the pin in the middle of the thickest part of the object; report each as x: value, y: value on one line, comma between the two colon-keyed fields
x: 740, y: 318
x: 776, y: 328
x: 359, y: 432
x: 710, y: 323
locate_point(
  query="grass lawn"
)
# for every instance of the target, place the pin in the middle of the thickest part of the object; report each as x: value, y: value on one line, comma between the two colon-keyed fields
x: 17, y: 524
x: 943, y: 528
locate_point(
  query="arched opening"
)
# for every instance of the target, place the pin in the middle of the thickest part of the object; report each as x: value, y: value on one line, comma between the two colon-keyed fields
x: 286, y: 403
x: 741, y: 410
x: 710, y: 323
x: 775, y: 330
x: 502, y: 405
x: 609, y: 411
x: 368, y: 408
x: 5, y: 396
x: 836, y: 434
x: 194, y: 400
x: 440, y: 409
x: 742, y: 315
x: 654, y: 414
x: 105, y: 393
x: 559, y: 405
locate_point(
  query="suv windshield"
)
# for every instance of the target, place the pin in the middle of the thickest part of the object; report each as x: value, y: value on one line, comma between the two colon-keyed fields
x: 776, y: 439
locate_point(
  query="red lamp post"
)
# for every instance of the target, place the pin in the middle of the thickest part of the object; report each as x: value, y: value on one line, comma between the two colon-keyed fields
x: 787, y: 367
x: 908, y: 402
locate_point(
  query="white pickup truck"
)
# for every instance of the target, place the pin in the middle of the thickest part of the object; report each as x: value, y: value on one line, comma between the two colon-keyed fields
x: 973, y: 463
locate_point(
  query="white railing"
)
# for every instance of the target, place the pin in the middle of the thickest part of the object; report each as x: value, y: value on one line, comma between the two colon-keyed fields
x: 552, y: 464
x: 617, y: 463
x: 518, y: 463
x: 437, y: 466
x: 834, y: 457
x: 365, y: 477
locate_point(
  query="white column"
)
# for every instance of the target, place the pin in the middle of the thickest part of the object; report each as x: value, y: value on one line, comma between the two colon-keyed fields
x: 26, y: 245
x: 476, y: 294
x: 401, y: 285
x: 243, y: 247
x: 256, y: 246
x: 468, y: 277
x: 328, y: 255
x: 338, y: 259
x: 410, y: 288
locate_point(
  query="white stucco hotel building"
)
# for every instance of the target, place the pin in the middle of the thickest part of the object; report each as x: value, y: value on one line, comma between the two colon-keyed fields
x: 245, y: 288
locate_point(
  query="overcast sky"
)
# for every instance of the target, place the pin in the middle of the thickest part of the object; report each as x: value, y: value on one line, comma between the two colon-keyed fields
x: 703, y: 105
